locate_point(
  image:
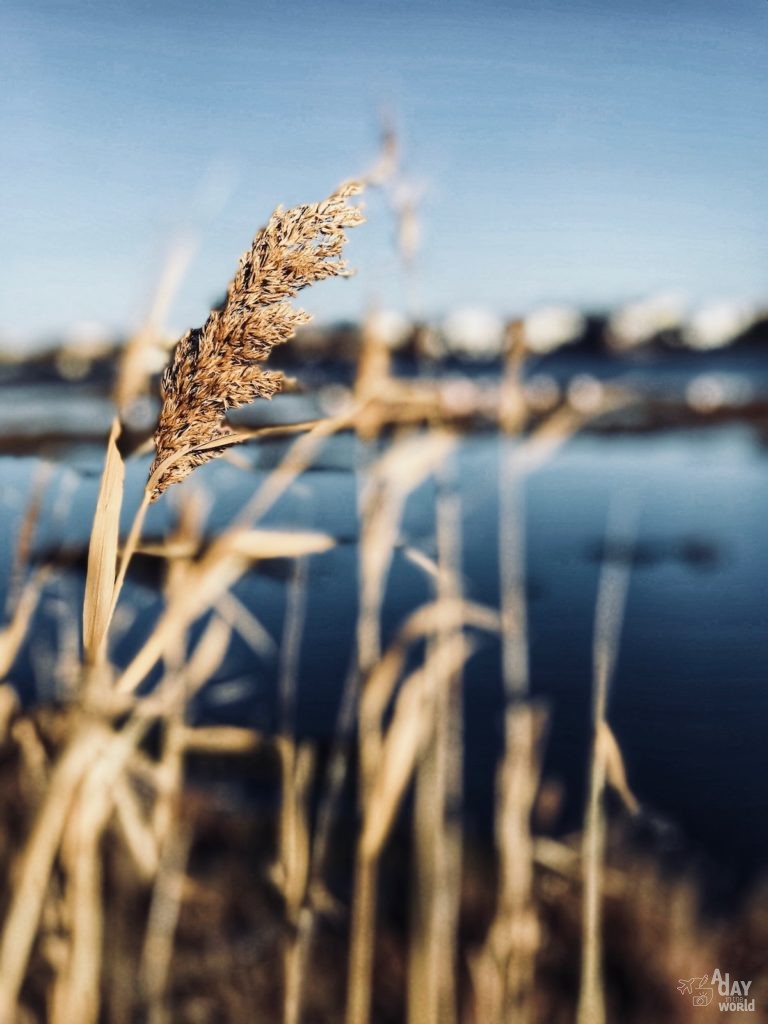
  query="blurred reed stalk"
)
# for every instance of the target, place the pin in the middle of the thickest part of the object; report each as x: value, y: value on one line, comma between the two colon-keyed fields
x: 297, y: 766
x: 435, y: 889
x: 373, y: 376
x: 513, y: 417
x: 505, y: 969
x: 403, y: 197
x: 137, y: 359
x: 392, y: 478
x: 373, y: 380
x: 606, y: 761
x: 170, y: 838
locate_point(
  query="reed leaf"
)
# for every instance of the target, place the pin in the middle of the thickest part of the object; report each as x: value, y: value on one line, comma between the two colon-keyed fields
x: 102, y: 551
x: 12, y: 635
x: 411, y: 723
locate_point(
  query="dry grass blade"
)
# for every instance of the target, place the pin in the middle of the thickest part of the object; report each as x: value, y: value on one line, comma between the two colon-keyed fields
x: 512, y: 572
x: 611, y: 601
x: 218, y: 367
x: 135, y: 367
x: 247, y: 626
x: 422, y: 561
x: 183, y: 682
x: 102, y: 552
x: 12, y: 635
x: 27, y: 533
x: 208, y: 655
x: 546, y: 438
x: 298, y: 458
x: 137, y: 832
x: 591, y: 1007
x: 77, y: 994
x: 292, y: 870
x: 298, y: 769
x: 9, y: 708
x: 437, y: 841
x: 34, y: 757
x: 446, y: 614
x: 170, y: 549
x: 163, y: 916
x: 410, y: 725
x: 408, y: 463
x: 503, y: 972
x: 290, y: 660
x: 373, y: 378
x: 185, y: 675
x: 397, y: 474
x: 316, y: 431
x: 263, y: 544
x: 227, y: 740
x: 297, y: 763
x: 387, y: 161
x: 24, y: 914
x: 128, y: 551
x: 609, y: 751
x: 207, y: 581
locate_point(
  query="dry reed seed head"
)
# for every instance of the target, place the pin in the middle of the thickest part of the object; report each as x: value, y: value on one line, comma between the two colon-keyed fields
x: 217, y: 367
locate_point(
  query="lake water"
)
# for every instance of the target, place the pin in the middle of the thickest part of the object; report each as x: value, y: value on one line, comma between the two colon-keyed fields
x: 689, y: 702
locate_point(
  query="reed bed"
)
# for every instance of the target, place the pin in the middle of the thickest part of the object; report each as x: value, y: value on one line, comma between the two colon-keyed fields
x: 133, y: 894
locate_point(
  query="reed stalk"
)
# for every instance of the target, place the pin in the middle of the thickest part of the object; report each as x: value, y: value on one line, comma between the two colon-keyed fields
x: 611, y: 601
x: 389, y: 483
x: 437, y: 842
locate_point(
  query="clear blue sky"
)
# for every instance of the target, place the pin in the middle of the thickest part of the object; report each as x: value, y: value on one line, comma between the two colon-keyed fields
x: 573, y: 149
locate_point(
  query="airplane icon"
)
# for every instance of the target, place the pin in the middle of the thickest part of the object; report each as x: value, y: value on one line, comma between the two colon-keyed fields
x: 685, y: 988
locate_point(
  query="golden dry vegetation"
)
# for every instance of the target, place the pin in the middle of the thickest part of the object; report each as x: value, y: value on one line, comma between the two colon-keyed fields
x: 131, y: 894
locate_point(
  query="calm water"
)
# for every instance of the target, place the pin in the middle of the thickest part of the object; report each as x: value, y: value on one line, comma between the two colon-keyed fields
x: 689, y: 702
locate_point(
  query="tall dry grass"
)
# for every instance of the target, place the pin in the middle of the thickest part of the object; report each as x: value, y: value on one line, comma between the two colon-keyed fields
x: 107, y: 906
x: 214, y: 369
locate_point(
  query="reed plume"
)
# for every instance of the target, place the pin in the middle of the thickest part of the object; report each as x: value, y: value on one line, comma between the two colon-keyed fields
x: 218, y: 367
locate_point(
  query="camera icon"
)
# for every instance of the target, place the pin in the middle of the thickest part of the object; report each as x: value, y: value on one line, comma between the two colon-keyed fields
x: 703, y: 998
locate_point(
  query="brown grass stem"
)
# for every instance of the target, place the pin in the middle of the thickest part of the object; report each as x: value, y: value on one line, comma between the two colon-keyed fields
x: 611, y: 601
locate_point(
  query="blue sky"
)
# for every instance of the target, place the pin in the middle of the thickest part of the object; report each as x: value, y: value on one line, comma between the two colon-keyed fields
x: 571, y: 151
